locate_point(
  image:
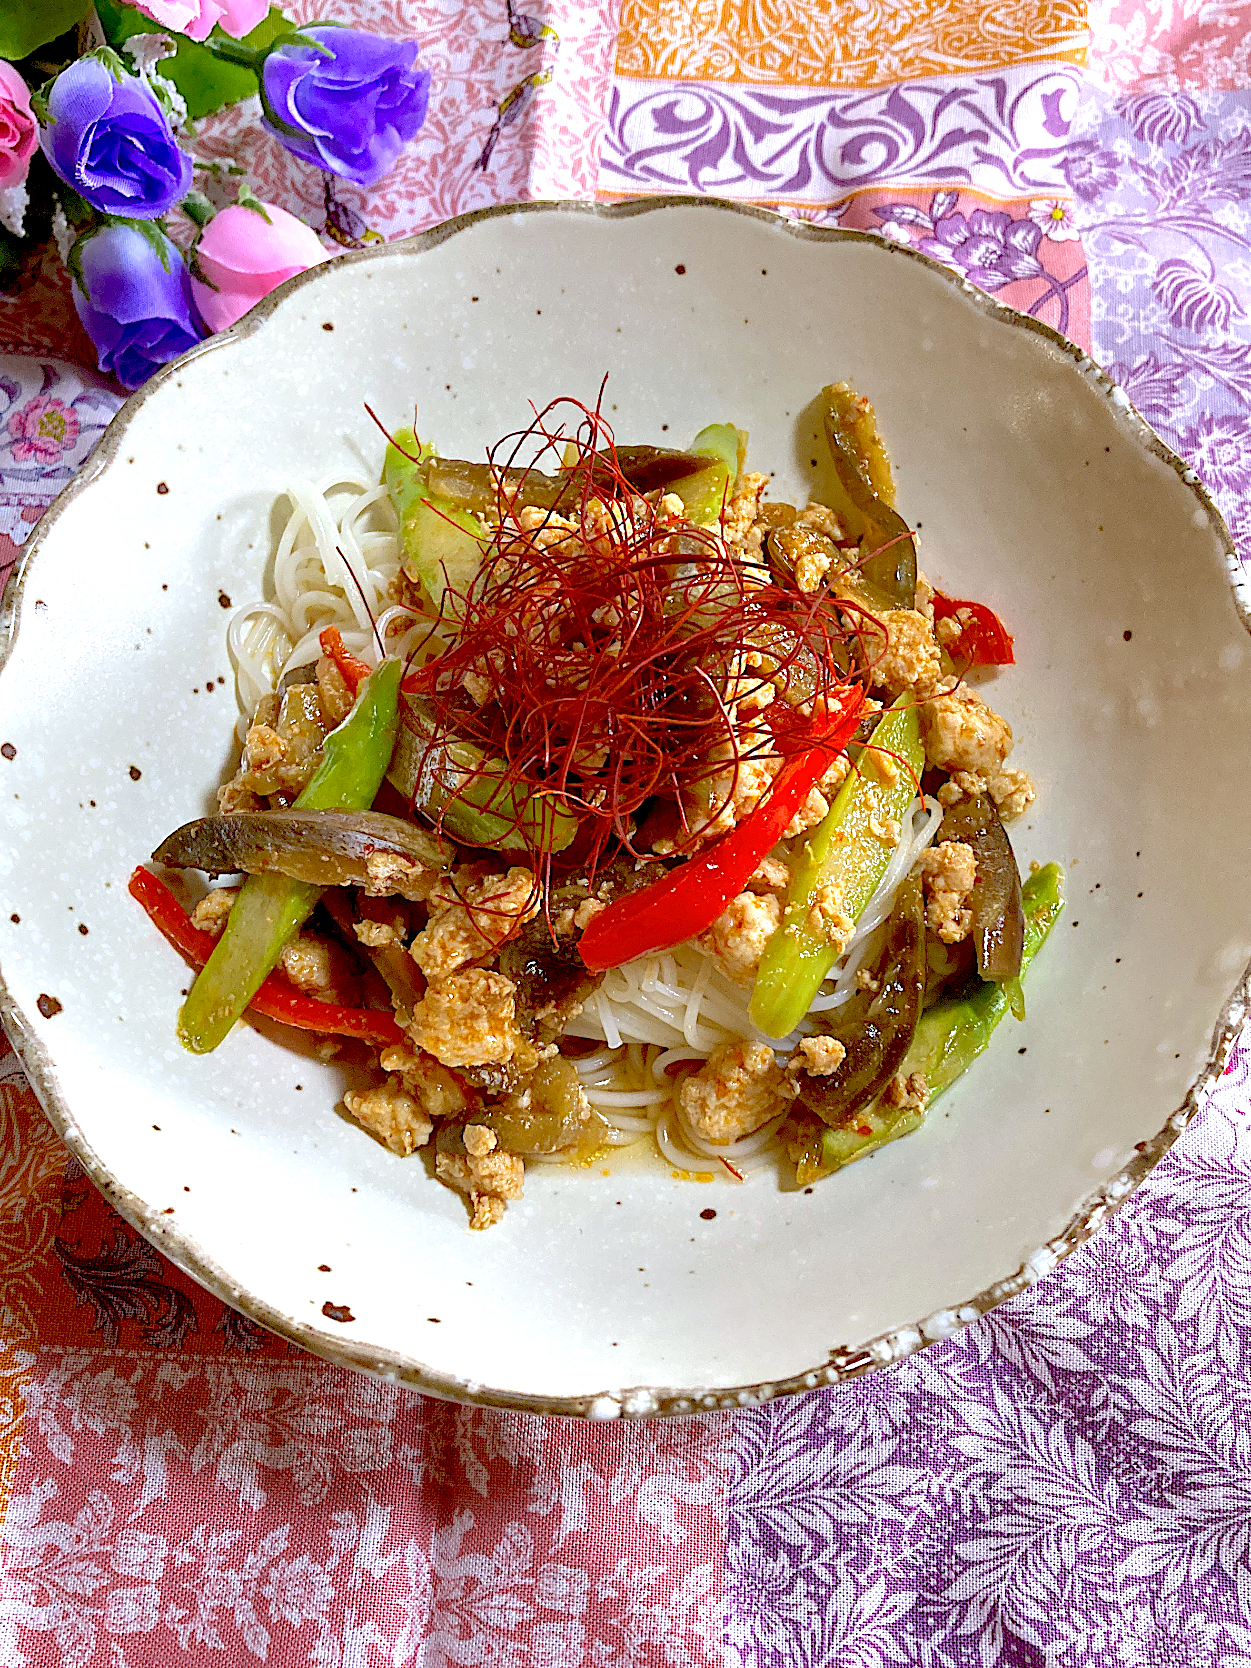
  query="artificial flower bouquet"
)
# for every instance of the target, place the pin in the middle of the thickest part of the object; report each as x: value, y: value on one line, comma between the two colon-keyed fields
x: 102, y: 139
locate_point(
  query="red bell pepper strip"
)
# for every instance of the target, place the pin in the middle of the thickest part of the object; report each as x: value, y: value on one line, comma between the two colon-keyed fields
x: 689, y: 898
x: 984, y: 640
x: 274, y: 999
x: 353, y: 671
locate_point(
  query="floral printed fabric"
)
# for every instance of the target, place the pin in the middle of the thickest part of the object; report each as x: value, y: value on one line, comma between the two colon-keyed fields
x: 1066, y: 1484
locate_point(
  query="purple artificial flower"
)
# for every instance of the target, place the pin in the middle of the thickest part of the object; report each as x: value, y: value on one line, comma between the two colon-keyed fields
x: 133, y: 295
x: 991, y: 250
x: 1191, y: 300
x: 111, y: 141
x: 345, y: 101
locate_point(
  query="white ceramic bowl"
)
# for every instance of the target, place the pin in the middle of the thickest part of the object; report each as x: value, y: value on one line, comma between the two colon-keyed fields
x: 1037, y: 489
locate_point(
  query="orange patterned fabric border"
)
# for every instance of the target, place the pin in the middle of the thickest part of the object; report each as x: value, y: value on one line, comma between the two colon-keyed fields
x: 812, y: 43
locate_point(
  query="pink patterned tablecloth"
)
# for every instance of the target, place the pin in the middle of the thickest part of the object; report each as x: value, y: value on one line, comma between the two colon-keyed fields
x: 1068, y: 1482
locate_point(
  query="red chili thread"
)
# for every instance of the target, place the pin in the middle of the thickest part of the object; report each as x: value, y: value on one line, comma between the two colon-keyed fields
x: 608, y: 638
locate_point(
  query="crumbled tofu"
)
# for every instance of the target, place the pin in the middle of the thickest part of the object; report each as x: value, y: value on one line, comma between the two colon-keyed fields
x: 213, y: 908
x: 885, y: 829
x: 812, y: 564
x: 827, y: 916
x: 738, y: 936
x: 867, y: 981
x: 838, y: 773
x: 432, y: 1086
x: 389, y: 874
x: 910, y: 1094
x: 390, y: 1113
x: 910, y: 659
x: 963, y: 784
x: 479, y: 1140
x: 477, y: 687
x: 925, y: 597
x: 487, y: 1210
x: 962, y: 733
x: 810, y: 814
x: 1013, y: 792
x: 818, y: 1056
x: 376, y: 935
x: 822, y: 518
x: 742, y: 531
x: 738, y: 1089
x: 771, y: 876
x: 233, y: 796
x: 319, y: 967
x: 471, y: 915
x: 733, y: 793
x: 586, y: 913
x: 670, y: 507
x: 487, y: 1175
x: 263, y: 749
x: 948, y: 872
x: 467, y: 1019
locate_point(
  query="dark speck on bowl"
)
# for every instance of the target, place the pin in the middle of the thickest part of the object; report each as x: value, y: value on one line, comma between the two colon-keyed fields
x: 337, y: 1312
x: 48, y: 1005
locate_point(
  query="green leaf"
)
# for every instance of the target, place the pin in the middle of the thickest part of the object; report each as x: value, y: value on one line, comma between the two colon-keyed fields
x: 205, y: 82
x: 26, y: 25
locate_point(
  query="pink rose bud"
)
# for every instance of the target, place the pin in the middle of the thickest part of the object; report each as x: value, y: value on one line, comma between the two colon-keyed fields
x: 195, y: 18
x: 19, y: 132
x: 244, y: 255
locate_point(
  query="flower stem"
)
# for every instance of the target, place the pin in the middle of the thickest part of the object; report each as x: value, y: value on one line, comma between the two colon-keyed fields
x: 234, y: 52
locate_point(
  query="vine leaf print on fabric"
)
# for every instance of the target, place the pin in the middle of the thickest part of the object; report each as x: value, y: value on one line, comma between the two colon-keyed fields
x: 123, y: 1282
x: 1164, y: 209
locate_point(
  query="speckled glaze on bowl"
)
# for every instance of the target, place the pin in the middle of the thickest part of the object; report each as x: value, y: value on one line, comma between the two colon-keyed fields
x: 1035, y: 486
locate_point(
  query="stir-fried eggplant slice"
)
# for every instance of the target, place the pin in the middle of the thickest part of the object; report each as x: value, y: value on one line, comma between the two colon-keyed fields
x: 477, y: 486
x: 865, y: 500
x: 551, y: 1115
x: 876, y: 1026
x: 324, y: 848
x: 998, y: 929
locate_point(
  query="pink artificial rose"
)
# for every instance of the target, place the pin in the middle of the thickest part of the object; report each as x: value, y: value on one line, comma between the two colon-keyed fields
x: 195, y: 18
x: 19, y: 132
x: 244, y: 256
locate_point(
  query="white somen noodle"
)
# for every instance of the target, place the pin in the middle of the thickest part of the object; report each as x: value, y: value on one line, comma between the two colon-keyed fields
x: 659, y: 1017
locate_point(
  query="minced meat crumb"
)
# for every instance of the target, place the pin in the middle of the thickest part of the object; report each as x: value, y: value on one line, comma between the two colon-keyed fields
x: 436, y: 1090
x: 962, y: 733
x: 390, y: 1113
x: 471, y: 915
x: 818, y: 1056
x: 738, y: 936
x: 736, y: 1090
x: 907, y: 1094
x: 827, y: 916
x: 948, y: 872
x: 910, y: 659
x: 467, y: 1019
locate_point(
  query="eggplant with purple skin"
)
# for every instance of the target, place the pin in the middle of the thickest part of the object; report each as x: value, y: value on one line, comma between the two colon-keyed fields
x: 323, y: 848
x: 477, y: 486
x: 876, y: 1025
x: 998, y: 929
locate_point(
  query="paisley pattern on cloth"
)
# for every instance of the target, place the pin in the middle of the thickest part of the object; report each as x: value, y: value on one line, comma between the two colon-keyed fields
x: 1066, y: 1484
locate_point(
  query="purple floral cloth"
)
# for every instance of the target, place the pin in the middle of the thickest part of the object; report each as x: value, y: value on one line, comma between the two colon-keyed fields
x: 1067, y: 1483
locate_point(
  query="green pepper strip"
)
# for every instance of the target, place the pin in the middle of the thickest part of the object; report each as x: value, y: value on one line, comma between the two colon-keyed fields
x: 948, y: 1039
x: 441, y: 543
x: 845, y: 852
x: 270, y: 908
